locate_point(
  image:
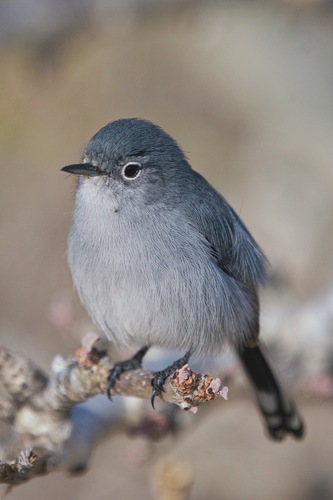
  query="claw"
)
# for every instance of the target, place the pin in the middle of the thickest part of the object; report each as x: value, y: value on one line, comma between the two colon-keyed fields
x: 157, y: 387
x: 113, y: 376
x: 161, y: 376
x: 153, y: 396
x: 123, y: 366
x: 156, y: 391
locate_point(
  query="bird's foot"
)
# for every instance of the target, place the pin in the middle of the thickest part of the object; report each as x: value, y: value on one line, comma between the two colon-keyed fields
x: 124, y: 366
x: 161, y: 376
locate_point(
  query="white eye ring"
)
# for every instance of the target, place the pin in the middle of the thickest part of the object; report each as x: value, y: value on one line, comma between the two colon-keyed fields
x: 131, y: 170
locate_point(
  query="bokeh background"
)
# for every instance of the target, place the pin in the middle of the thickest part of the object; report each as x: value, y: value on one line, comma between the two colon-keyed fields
x: 246, y: 88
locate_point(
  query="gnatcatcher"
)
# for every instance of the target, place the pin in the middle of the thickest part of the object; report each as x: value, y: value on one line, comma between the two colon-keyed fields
x: 159, y: 258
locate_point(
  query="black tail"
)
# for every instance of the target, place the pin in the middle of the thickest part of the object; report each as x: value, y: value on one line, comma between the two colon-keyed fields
x: 279, y: 412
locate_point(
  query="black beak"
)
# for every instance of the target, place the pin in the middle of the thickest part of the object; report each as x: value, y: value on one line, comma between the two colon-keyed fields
x: 83, y: 169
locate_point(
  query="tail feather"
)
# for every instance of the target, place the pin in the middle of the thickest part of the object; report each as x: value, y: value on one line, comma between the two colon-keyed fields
x: 279, y: 411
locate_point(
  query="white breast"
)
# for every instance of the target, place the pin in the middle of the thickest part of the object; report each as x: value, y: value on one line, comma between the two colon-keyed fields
x: 148, y: 278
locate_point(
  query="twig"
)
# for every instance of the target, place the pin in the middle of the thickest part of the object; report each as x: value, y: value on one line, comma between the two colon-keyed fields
x: 49, y: 430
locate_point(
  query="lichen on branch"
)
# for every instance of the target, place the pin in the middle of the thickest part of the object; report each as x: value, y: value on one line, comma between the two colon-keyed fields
x: 40, y: 408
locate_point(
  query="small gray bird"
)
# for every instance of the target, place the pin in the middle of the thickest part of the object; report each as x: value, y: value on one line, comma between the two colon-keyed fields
x: 159, y: 258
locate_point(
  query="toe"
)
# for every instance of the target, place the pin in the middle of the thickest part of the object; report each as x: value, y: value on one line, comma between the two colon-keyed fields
x: 157, y: 386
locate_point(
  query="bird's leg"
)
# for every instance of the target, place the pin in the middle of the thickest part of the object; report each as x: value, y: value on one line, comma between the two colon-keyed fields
x: 161, y: 376
x: 125, y: 366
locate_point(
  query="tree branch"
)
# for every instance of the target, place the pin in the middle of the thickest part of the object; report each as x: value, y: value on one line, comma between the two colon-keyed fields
x: 47, y: 422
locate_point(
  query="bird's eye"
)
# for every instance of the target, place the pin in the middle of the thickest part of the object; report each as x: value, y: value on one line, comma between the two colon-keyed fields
x: 131, y: 170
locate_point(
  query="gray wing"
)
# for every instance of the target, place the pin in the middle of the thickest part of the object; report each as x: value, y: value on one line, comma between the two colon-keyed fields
x: 230, y: 243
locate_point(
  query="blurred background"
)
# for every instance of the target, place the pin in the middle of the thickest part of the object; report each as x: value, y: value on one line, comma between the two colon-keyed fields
x: 246, y: 88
